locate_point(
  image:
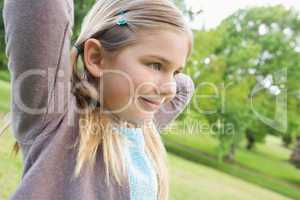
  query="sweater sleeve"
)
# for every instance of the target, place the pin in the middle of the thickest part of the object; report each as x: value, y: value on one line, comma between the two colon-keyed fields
x: 168, y: 112
x: 37, y: 36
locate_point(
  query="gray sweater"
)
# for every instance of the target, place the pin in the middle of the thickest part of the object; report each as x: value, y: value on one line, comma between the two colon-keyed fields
x: 43, y: 110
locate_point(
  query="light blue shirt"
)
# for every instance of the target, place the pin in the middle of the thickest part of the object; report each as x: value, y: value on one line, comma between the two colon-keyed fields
x: 141, y: 174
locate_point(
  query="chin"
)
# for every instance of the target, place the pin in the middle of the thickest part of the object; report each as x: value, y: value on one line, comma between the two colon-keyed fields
x: 141, y: 118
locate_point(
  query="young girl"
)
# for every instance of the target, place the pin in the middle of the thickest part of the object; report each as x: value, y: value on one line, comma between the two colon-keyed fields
x: 93, y: 132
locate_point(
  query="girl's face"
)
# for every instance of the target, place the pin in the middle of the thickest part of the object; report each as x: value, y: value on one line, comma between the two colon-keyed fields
x: 135, y: 83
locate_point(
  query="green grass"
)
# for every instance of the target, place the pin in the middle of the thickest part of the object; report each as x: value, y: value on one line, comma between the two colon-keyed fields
x: 270, y: 158
x: 188, y: 180
x: 4, y: 96
x: 10, y: 167
x: 4, y: 75
x: 266, y: 166
x: 193, y: 182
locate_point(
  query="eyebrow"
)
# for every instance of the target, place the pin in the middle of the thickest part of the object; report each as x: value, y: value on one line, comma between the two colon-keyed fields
x: 162, y: 59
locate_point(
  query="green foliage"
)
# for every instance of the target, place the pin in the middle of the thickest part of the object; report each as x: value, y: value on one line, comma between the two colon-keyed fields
x: 3, y: 58
x: 81, y: 9
x: 4, y: 96
x: 230, y: 61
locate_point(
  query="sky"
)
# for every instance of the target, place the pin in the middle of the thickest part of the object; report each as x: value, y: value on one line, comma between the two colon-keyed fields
x: 214, y: 11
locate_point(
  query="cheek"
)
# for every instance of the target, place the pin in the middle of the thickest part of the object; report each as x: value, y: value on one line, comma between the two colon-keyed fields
x: 120, y: 90
x: 116, y: 91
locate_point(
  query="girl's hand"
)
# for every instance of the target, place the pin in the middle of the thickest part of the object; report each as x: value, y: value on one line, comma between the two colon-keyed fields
x: 171, y: 110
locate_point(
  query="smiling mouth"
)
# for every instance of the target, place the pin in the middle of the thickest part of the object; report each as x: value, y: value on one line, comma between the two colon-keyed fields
x: 151, y: 104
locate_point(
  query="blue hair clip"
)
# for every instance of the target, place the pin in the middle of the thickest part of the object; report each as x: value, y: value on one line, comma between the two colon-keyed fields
x: 122, y: 21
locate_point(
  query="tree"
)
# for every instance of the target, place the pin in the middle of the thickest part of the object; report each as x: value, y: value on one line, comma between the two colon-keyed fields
x: 259, y: 42
x: 250, y: 49
x: 295, y: 157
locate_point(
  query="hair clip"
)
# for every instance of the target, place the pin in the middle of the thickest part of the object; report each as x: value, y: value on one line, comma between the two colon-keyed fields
x: 122, y: 19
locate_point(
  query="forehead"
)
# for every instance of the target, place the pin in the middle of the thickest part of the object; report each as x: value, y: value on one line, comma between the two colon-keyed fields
x: 171, y: 45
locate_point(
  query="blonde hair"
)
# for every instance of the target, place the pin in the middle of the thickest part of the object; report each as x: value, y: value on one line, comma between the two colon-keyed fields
x: 100, y: 23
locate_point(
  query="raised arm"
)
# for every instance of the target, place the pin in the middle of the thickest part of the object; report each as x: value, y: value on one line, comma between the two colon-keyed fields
x: 37, y: 36
x: 170, y: 111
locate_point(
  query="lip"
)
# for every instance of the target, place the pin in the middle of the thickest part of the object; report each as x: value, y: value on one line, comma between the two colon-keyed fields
x: 154, y: 105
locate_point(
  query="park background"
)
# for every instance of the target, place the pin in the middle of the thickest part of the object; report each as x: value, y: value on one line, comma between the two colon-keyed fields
x: 239, y: 138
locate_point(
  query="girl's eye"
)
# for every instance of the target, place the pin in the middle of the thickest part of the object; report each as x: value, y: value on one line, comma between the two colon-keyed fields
x: 176, y: 72
x: 156, y: 66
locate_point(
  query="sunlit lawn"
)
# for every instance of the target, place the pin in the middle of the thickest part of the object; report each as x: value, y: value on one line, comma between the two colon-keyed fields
x: 188, y: 180
x: 10, y: 167
x: 4, y: 96
x: 270, y: 158
x: 267, y: 165
x: 194, y: 181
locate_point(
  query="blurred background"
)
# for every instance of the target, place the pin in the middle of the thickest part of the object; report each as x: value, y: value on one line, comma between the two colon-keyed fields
x: 239, y: 138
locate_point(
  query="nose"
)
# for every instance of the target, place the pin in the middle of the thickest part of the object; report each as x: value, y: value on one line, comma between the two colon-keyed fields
x: 167, y: 88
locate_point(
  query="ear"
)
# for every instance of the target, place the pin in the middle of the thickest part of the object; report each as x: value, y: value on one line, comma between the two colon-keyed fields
x: 93, y: 57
